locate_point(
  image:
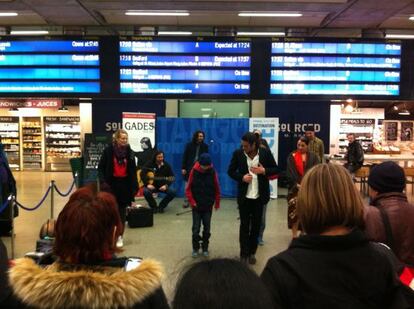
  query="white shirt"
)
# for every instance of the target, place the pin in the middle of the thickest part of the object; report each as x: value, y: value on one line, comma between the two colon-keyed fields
x: 253, y: 187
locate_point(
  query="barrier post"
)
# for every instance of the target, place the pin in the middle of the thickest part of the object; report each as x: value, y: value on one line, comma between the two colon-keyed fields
x: 77, y: 180
x: 52, y: 198
x: 11, y: 203
x: 98, y: 184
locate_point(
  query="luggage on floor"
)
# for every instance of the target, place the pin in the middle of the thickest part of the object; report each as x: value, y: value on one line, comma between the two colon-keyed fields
x: 140, y: 216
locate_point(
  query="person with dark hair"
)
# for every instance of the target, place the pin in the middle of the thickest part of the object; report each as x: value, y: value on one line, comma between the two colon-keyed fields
x: 7, y: 188
x: 220, y: 283
x: 250, y: 166
x: 203, y: 191
x: 333, y: 265
x: 315, y: 144
x: 147, y: 152
x: 390, y: 218
x: 193, y: 150
x: 354, y: 156
x: 157, y: 176
x: 87, y: 274
x: 117, y: 169
x: 298, y: 163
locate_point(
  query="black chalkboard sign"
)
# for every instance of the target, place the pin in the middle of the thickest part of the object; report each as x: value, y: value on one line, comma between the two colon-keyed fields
x: 93, y: 148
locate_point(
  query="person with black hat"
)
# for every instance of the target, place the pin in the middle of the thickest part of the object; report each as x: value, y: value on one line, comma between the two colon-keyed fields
x: 390, y: 217
x: 315, y: 144
x: 202, y: 191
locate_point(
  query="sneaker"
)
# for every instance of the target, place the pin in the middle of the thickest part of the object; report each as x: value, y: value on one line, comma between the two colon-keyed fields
x: 160, y: 210
x: 252, y: 259
x: 186, y: 205
x: 205, y: 253
x: 194, y: 254
x: 260, y: 242
x: 120, y: 242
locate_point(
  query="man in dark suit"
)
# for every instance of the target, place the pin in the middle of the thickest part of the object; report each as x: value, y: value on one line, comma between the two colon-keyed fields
x: 251, y: 166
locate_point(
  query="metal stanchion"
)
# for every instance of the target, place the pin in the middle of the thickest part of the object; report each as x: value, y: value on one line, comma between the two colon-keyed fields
x: 11, y: 203
x: 76, y: 180
x: 52, y: 199
x: 98, y: 185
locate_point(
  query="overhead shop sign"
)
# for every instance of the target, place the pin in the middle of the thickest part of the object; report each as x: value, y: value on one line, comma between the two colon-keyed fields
x: 34, y: 103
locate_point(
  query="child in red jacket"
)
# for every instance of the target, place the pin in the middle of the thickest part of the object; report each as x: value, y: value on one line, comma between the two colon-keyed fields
x: 203, y: 191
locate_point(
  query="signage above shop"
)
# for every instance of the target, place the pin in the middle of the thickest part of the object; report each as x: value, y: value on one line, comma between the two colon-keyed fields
x: 33, y: 103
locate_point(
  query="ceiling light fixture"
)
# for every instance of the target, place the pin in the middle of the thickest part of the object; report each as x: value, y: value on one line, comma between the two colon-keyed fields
x: 156, y: 13
x: 399, y: 36
x: 63, y: 109
x: 404, y: 111
x: 29, y: 32
x: 175, y: 33
x: 411, y: 18
x: 8, y: 14
x: 275, y: 14
x: 247, y: 33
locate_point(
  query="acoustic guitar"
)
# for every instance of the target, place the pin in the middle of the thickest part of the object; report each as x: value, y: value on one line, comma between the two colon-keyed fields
x: 150, y: 176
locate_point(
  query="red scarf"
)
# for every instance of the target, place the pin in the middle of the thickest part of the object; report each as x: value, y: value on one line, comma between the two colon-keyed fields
x: 300, y: 165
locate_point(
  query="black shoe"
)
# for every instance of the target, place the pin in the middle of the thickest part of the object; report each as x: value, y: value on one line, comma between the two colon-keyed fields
x: 252, y: 259
x: 244, y: 259
x: 161, y: 210
x: 155, y: 210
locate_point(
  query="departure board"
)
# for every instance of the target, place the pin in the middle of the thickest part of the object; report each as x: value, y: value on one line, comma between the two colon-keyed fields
x: 49, y: 66
x: 335, y: 68
x: 185, y: 67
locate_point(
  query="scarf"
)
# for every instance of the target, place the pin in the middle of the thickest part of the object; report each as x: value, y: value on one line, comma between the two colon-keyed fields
x: 299, y: 164
x: 120, y: 153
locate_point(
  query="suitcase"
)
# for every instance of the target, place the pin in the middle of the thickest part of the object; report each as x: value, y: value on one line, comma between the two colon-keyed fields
x: 140, y: 217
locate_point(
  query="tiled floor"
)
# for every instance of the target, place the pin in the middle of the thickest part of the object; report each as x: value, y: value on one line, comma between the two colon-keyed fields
x: 169, y: 241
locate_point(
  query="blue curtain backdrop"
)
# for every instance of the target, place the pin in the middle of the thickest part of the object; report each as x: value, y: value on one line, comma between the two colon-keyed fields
x: 222, y: 136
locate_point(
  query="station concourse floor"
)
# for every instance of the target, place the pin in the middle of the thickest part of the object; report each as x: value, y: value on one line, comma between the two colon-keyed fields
x: 168, y: 241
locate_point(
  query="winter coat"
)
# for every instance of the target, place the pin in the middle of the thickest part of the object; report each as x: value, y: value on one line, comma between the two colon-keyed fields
x: 292, y: 174
x: 401, y: 217
x: 355, y: 155
x: 80, y: 286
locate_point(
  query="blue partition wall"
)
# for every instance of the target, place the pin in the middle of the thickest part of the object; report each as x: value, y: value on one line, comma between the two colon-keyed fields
x: 222, y: 136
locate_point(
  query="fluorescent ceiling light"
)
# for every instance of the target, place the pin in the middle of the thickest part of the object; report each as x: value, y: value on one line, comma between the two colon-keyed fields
x: 156, y: 13
x: 404, y: 112
x: 242, y: 33
x: 7, y: 14
x: 399, y: 36
x: 174, y: 33
x: 28, y: 32
x: 411, y: 18
x: 257, y: 14
x: 85, y: 99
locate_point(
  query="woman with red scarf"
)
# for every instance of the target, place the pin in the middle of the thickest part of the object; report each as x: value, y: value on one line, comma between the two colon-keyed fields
x: 298, y: 163
x: 117, y: 169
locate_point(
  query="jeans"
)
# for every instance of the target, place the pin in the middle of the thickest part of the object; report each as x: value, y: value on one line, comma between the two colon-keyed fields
x: 250, y: 219
x: 263, y: 224
x: 169, y: 195
x: 205, y: 218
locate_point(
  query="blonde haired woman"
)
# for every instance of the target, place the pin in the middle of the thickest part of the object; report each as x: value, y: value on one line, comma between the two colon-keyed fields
x: 118, y: 170
x: 333, y: 265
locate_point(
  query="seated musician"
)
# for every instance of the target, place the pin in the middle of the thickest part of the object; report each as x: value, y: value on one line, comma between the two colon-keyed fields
x: 157, y: 176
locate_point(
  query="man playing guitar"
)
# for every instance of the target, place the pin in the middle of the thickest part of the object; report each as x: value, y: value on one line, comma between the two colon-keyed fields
x: 157, y: 176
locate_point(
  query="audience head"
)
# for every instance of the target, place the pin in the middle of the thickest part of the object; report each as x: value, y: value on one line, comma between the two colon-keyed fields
x: 221, y: 284
x: 310, y: 132
x: 302, y: 145
x: 120, y: 137
x: 158, y: 157
x: 205, y: 160
x: 249, y: 142
x: 328, y: 198
x: 87, y: 227
x: 386, y: 177
x: 198, y: 137
x: 350, y: 137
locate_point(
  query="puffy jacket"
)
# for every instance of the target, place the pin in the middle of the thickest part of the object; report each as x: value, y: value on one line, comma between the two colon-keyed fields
x: 401, y: 216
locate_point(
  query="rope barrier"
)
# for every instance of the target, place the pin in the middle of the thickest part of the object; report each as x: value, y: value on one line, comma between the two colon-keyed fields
x: 3, y: 207
x: 67, y: 193
x: 38, y: 205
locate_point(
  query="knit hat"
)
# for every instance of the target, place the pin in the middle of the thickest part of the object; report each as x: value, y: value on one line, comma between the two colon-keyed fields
x: 387, y: 177
x: 204, y: 159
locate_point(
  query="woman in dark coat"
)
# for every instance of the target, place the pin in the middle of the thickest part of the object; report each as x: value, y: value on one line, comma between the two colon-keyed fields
x: 117, y: 169
x: 298, y: 163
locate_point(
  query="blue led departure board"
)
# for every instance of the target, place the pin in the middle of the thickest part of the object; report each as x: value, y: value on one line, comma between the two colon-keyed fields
x: 335, y: 68
x: 50, y: 66
x: 185, y: 67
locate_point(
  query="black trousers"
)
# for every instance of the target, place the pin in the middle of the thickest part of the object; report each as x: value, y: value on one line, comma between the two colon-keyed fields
x: 250, y: 220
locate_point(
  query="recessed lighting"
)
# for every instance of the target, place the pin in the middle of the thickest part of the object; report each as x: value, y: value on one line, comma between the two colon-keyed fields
x: 8, y: 14
x: 175, y: 33
x: 28, y: 32
x: 399, y: 36
x: 241, y: 33
x: 156, y: 13
x: 257, y: 14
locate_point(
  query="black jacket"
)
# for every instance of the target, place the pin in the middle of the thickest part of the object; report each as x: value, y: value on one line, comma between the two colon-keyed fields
x: 189, y: 155
x: 292, y: 174
x: 333, y: 272
x: 238, y: 168
x: 88, y: 286
x: 106, y: 170
x: 164, y: 173
x: 355, y: 154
